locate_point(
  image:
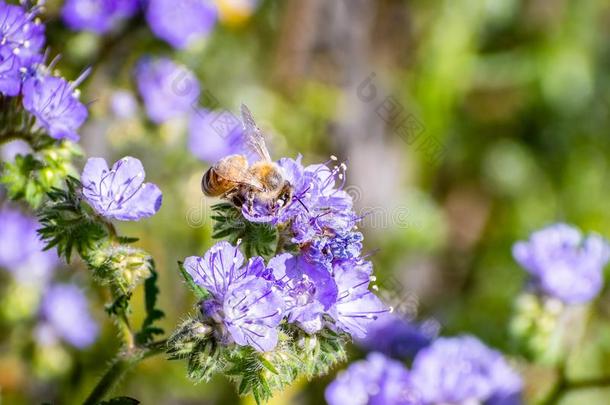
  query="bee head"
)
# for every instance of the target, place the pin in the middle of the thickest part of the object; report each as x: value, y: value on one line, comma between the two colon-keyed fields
x: 285, y: 194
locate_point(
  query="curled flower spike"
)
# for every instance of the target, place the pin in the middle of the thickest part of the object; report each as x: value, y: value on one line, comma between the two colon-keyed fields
x: 245, y: 306
x: 54, y: 102
x: 563, y: 263
x: 120, y: 192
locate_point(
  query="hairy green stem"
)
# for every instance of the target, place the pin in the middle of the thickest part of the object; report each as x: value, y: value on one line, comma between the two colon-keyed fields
x: 119, y: 367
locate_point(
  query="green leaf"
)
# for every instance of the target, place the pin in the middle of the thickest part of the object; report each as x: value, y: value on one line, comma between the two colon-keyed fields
x: 33, y: 175
x: 127, y: 239
x: 119, y: 306
x: 151, y: 291
x: 256, y: 239
x: 66, y: 225
x: 199, y: 291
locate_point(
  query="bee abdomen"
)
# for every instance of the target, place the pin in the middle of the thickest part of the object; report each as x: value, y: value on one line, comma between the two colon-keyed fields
x: 212, y: 185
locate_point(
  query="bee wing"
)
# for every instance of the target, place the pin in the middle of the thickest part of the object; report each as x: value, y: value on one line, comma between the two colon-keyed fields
x: 254, y: 137
x: 229, y: 171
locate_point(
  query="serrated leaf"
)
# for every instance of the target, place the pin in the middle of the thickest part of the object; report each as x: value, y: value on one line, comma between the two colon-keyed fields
x: 151, y: 291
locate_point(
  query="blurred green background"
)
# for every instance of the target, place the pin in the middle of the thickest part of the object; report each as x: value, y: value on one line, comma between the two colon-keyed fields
x: 508, y: 108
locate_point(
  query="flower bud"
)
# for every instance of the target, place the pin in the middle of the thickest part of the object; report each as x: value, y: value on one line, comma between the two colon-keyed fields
x: 123, y: 266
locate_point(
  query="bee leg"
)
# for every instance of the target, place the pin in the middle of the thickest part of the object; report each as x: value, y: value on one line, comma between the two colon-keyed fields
x: 235, y: 198
x: 238, y: 200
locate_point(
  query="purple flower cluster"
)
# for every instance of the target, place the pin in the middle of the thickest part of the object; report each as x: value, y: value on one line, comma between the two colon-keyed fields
x: 378, y: 380
x: 180, y: 22
x: 21, y: 250
x: 177, y: 22
x: 52, y: 100
x: 65, y: 315
x: 462, y: 369
x: 455, y: 370
x: 249, y: 301
x: 563, y: 263
x: 120, y: 192
x: 22, y: 39
x: 395, y: 337
x: 168, y: 89
x: 245, y: 304
x: 97, y: 16
x: 322, y: 222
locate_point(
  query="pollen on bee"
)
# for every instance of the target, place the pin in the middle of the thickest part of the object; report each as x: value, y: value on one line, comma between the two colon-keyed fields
x: 333, y: 157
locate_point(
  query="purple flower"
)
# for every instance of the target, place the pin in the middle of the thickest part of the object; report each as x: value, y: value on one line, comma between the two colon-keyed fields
x: 21, y: 250
x: 168, y: 89
x: 180, y: 22
x: 22, y: 34
x: 394, y: 336
x: 309, y: 290
x: 54, y: 102
x: 120, y: 192
x: 462, y: 369
x: 10, y: 75
x: 209, y: 140
x: 337, y: 247
x: 98, y: 16
x: 378, y: 380
x: 356, y: 307
x: 563, y: 263
x: 243, y: 302
x: 22, y: 38
x: 65, y: 310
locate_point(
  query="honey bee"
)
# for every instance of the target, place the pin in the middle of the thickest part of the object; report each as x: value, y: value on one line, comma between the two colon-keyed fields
x: 233, y: 179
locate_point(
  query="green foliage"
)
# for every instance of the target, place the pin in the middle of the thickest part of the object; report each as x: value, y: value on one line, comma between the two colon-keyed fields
x: 120, y: 305
x: 153, y: 314
x: 255, y: 239
x: 255, y: 373
x: 321, y: 352
x: 121, y: 401
x: 31, y: 176
x: 67, y: 225
x: 191, y: 341
x: 539, y: 328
